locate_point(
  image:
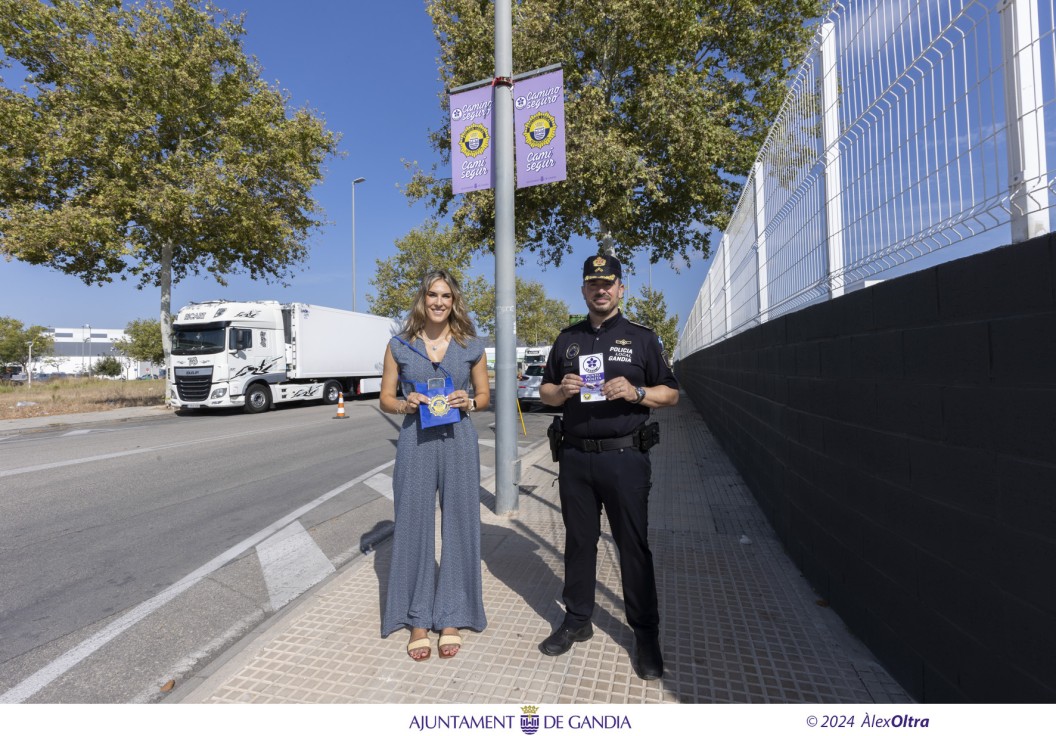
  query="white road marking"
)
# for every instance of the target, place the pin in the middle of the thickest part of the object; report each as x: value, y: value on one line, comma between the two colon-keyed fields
x: 139, y: 451
x: 64, y: 663
x: 382, y: 483
x: 77, y: 431
x: 487, y: 443
x: 292, y: 563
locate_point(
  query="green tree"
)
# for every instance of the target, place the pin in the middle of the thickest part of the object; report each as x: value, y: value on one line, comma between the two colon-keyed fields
x: 142, y: 341
x: 651, y: 310
x: 430, y: 246
x: 108, y: 365
x: 424, y: 249
x: 144, y: 145
x: 539, y: 318
x: 666, y: 106
x: 17, y: 342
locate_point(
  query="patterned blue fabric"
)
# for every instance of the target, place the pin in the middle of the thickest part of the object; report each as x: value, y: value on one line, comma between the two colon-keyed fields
x: 444, y: 460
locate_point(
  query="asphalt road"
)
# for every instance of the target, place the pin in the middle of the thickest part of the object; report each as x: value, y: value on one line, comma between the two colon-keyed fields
x: 132, y: 553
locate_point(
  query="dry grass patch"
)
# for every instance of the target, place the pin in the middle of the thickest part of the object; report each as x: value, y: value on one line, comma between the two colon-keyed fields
x: 76, y: 396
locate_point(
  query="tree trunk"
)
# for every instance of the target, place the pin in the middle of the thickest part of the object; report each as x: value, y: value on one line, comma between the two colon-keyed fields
x: 607, y: 246
x: 165, y: 319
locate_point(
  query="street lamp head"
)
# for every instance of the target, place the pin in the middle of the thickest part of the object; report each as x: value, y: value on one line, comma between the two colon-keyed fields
x: 360, y: 180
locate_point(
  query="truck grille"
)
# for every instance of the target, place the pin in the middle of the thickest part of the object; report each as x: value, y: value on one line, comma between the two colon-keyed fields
x: 192, y: 384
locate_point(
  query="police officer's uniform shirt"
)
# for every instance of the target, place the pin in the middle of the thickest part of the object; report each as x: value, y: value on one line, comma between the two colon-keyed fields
x: 628, y: 349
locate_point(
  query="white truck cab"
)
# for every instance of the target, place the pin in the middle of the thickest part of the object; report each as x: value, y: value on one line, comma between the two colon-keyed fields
x: 260, y: 353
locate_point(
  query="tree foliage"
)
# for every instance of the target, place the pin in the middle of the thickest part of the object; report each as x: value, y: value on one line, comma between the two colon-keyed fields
x: 145, y: 146
x: 651, y: 310
x: 16, y: 341
x: 109, y: 366
x: 425, y: 248
x: 539, y: 318
x: 429, y: 247
x: 142, y: 341
x: 666, y: 106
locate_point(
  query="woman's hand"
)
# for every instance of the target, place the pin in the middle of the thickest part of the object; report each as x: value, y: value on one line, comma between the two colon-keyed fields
x: 459, y: 400
x: 411, y: 402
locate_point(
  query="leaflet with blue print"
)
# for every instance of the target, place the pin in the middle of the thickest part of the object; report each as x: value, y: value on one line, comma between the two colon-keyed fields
x: 592, y: 371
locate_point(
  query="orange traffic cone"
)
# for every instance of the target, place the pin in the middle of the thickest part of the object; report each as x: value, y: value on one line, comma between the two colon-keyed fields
x: 341, y: 406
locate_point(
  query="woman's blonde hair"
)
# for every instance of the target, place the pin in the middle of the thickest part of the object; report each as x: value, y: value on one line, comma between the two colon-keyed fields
x: 458, y: 321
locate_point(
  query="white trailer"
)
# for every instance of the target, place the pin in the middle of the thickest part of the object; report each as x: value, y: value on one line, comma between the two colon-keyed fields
x: 536, y: 354
x: 260, y: 353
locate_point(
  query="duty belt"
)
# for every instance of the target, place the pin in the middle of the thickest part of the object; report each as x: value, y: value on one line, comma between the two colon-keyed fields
x: 613, y: 443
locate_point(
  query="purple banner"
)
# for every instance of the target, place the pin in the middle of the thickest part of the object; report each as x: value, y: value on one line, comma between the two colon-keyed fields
x: 539, y: 128
x: 471, y: 144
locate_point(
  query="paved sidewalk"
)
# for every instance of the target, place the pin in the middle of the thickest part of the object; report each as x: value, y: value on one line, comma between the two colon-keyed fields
x: 738, y: 622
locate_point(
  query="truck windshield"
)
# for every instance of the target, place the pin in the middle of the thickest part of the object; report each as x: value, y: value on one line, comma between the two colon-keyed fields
x: 198, y: 339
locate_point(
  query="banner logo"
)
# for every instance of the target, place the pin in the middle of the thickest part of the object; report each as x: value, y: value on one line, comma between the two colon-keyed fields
x: 474, y: 140
x: 540, y: 130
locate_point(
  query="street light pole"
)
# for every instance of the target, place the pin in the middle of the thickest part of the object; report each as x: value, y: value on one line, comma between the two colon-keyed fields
x: 358, y: 180
x: 84, y: 344
x: 89, y: 350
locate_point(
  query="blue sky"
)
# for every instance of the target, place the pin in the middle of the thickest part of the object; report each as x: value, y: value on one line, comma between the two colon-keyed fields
x: 368, y: 68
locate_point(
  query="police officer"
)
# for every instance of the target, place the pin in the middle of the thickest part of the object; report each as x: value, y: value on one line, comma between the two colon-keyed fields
x: 607, y: 373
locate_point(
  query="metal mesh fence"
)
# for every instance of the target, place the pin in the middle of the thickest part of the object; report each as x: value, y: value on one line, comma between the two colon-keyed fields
x: 913, y: 132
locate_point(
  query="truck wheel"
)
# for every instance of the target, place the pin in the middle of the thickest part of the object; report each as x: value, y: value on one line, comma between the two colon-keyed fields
x: 258, y: 399
x: 331, y: 390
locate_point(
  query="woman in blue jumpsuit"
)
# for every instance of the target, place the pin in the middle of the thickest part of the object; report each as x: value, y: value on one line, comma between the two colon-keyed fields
x: 438, y: 342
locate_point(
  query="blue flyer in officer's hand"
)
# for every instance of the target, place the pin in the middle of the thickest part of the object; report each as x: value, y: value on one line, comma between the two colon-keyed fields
x: 592, y: 371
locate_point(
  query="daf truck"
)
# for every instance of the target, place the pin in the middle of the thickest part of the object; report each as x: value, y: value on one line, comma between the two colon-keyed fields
x: 256, y: 354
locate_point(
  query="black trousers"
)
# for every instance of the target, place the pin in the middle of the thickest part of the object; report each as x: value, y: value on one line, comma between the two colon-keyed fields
x: 619, y: 481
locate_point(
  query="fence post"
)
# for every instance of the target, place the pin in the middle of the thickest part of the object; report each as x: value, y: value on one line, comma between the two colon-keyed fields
x: 727, y: 288
x: 1025, y: 119
x: 762, y: 277
x: 830, y: 132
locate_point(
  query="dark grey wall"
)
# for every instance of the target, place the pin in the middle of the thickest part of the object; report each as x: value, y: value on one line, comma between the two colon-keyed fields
x: 902, y: 441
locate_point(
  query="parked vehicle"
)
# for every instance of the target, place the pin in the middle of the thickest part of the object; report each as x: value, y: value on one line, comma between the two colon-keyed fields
x: 528, y: 384
x: 260, y: 353
x: 536, y: 354
x: 14, y: 378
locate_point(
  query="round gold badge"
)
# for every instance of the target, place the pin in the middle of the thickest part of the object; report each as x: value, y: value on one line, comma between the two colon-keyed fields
x: 438, y: 406
x: 540, y: 129
x: 474, y: 140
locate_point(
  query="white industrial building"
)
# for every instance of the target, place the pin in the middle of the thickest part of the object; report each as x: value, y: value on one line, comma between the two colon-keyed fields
x: 77, y: 349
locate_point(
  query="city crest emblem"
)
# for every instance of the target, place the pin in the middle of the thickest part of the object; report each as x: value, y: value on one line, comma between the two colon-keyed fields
x: 438, y: 406
x: 474, y: 140
x: 540, y: 129
x: 529, y: 719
